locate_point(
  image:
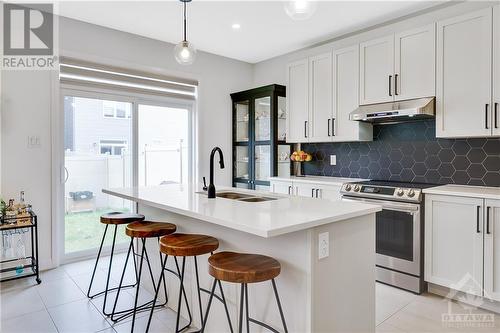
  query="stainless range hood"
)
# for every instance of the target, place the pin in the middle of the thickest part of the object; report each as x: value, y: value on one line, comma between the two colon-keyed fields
x: 395, y: 112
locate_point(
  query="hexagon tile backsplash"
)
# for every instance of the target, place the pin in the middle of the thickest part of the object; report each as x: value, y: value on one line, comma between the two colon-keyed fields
x: 410, y: 152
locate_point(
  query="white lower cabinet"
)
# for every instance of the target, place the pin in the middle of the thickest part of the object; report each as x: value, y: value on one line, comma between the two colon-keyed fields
x: 462, y: 245
x: 492, y: 250
x: 306, y: 189
x: 282, y: 187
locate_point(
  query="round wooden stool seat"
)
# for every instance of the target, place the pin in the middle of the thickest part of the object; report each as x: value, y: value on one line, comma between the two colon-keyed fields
x: 146, y: 229
x: 243, y: 267
x: 187, y: 245
x: 120, y: 218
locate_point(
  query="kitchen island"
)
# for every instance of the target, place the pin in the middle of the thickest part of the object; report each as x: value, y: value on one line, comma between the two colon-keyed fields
x: 333, y: 294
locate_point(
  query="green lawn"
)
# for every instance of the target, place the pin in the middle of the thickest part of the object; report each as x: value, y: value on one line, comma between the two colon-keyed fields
x: 83, y: 231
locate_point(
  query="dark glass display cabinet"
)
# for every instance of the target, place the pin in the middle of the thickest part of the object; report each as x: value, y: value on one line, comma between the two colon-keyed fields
x: 260, y: 150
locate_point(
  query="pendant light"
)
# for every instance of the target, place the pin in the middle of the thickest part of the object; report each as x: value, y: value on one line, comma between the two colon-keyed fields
x: 184, y: 52
x: 300, y: 9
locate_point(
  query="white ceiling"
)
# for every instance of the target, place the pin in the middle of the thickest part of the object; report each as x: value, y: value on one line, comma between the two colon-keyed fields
x: 266, y: 31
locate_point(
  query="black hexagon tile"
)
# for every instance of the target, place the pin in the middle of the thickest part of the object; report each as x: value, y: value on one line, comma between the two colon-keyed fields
x: 410, y: 152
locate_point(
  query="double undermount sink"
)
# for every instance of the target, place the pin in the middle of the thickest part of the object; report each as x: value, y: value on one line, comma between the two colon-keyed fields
x: 241, y: 196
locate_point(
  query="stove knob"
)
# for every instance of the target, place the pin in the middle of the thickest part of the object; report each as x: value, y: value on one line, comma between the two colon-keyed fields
x: 356, y: 188
x: 400, y: 192
x: 411, y: 193
x: 348, y: 187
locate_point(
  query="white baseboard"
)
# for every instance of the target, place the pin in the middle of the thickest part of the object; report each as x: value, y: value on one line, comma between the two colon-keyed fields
x: 460, y: 296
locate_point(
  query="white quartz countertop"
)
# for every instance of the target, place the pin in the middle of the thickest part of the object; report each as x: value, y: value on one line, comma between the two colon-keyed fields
x: 466, y: 191
x: 318, y: 180
x: 266, y: 219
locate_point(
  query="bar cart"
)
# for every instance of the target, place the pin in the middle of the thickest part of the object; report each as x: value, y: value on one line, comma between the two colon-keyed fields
x: 17, y: 261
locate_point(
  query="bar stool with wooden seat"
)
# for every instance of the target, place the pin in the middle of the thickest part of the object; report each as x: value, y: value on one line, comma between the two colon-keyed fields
x: 244, y: 268
x: 113, y: 219
x: 142, y: 230
x: 188, y: 245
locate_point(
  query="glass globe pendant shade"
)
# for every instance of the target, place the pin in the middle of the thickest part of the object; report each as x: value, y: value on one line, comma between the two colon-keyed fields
x: 300, y: 9
x: 185, y: 53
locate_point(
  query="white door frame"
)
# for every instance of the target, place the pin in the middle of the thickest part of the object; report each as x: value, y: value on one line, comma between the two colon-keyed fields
x: 58, y: 253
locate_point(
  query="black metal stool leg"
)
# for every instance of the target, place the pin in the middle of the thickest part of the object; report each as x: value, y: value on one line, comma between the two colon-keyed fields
x: 246, y: 307
x: 279, y: 305
x: 225, y: 306
x: 138, y: 284
x: 97, y: 261
x: 162, y: 271
x: 179, y: 303
x: 109, y: 273
x: 242, y: 300
x: 198, y: 288
x: 130, y: 248
x: 208, y: 306
x: 183, y: 292
x: 162, y: 277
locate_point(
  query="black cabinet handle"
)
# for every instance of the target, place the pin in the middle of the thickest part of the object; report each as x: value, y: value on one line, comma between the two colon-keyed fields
x: 333, y: 126
x: 496, y: 115
x: 290, y: 190
x: 305, y: 129
x: 312, y: 193
x: 396, y: 84
x: 477, y: 225
x: 329, y: 126
x: 488, y: 220
x: 390, y: 85
x: 486, y: 116
x: 317, y: 191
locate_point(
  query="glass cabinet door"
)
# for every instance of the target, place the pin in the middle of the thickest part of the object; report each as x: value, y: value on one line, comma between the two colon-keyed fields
x: 283, y: 160
x: 242, y: 121
x: 262, y: 114
x: 241, y: 162
x: 262, y: 162
x: 281, y: 116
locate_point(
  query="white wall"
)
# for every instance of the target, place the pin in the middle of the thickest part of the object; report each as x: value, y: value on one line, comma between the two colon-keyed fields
x: 27, y: 108
x: 274, y: 70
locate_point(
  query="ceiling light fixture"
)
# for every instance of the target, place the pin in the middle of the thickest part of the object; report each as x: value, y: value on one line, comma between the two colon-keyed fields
x: 300, y: 9
x: 236, y: 26
x: 184, y: 52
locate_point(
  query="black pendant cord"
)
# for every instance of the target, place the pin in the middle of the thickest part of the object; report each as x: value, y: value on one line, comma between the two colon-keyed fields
x: 185, y: 21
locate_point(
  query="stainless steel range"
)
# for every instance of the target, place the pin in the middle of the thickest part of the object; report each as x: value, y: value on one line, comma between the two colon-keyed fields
x: 399, y: 230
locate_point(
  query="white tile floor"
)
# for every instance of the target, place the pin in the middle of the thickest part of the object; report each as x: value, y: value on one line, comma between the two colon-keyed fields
x: 59, y: 304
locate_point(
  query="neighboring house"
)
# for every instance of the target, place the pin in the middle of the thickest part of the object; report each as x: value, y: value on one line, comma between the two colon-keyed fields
x: 97, y: 126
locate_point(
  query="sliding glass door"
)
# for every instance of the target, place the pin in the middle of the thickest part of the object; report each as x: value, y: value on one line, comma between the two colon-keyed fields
x: 98, y: 145
x: 113, y: 141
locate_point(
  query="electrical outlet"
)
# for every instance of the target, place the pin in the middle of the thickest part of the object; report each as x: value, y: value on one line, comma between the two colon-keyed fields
x: 333, y: 159
x: 323, y: 245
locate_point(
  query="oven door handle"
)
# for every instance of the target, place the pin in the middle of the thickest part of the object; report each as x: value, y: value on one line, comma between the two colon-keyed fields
x: 390, y: 205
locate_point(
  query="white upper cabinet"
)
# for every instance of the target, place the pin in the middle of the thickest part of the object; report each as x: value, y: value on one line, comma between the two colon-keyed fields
x: 320, y: 101
x: 297, y: 101
x: 492, y: 250
x: 464, y: 75
x: 415, y: 63
x: 496, y: 71
x: 377, y: 70
x: 398, y: 67
x: 346, y: 97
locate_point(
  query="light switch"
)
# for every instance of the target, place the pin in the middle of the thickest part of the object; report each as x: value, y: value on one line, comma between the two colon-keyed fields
x: 33, y: 141
x: 333, y: 159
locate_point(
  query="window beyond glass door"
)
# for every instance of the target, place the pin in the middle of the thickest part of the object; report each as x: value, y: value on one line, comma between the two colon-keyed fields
x: 163, y: 144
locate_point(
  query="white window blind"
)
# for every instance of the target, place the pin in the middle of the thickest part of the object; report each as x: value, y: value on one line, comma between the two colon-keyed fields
x: 79, y: 72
